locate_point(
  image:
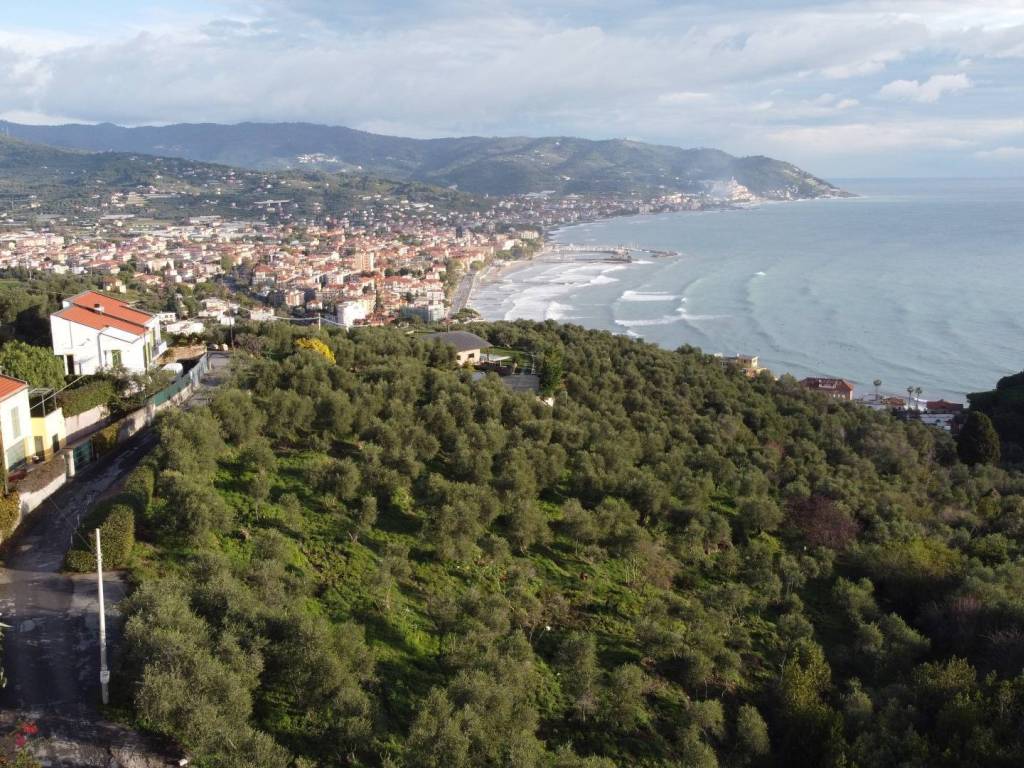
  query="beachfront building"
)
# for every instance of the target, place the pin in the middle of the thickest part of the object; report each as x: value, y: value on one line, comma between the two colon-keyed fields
x: 94, y: 332
x: 837, y: 389
x: 748, y: 364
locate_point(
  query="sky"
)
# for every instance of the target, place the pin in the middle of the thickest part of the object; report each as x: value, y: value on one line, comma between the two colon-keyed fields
x: 844, y: 89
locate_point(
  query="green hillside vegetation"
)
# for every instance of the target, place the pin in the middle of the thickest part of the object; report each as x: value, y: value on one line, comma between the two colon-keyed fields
x: 60, y: 181
x: 1004, y: 405
x: 481, y: 165
x: 380, y: 562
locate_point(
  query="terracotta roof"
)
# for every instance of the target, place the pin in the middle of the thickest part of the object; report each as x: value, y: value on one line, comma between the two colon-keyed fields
x: 10, y: 386
x: 833, y: 384
x: 111, y: 307
x: 99, y: 320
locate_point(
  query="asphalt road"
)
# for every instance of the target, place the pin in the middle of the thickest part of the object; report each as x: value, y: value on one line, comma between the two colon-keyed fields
x: 51, y: 651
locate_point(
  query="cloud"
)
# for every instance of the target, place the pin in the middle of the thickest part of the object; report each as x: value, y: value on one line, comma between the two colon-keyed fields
x: 794, y: 77
x: 1001, y: 154
x: 888, y: 136
x: 928, y: 92
x: 683, y: 97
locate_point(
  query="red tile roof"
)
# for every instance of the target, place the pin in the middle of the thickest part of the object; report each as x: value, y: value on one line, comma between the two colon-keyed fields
x: 99, y: 320
x: 10, y: 386
x: 111, y: 307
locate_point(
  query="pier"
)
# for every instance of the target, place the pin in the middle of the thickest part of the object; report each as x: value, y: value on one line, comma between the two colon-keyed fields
x: 580, y: 252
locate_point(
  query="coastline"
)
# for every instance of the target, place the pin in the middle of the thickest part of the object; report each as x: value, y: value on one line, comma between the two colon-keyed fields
x: 780, y: 284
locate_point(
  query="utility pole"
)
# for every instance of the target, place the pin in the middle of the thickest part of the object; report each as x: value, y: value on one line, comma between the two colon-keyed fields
x: 104, y: 672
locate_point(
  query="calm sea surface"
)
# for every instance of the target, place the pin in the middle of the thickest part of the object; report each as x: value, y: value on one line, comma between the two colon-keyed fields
x: 917, y: 283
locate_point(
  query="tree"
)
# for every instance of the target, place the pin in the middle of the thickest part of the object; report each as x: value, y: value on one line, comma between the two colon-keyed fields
x: 978, y: 442
x: 751, y: 733
x: 315, y: 345
x: 581, y: 674
x: 36, y: 365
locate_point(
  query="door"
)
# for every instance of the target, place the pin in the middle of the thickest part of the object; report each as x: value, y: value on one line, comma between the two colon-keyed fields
x: 40, y: 449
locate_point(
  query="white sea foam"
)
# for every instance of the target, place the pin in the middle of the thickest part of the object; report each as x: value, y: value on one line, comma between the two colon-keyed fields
x: 759, y: 274
x: 645, y: 323
x: 648, y: 296
x: 556, y: 311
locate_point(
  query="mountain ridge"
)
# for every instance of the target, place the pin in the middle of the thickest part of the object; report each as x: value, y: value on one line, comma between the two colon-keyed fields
x: 476, y: 164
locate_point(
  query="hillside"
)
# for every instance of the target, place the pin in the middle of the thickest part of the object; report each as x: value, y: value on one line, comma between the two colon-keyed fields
x: 361, y: 556
x: 495, y: 166
x: 45, y: 179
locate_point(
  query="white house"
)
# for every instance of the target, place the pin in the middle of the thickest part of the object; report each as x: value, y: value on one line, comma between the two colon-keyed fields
x: 94, y: 332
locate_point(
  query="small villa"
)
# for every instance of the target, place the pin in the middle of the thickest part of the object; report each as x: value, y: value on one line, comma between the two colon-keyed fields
x: 95, y: 332
x: 838, y: 389
x: 468, y: 346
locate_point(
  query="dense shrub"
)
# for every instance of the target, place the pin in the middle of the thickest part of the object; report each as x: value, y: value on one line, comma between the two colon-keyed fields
x: 87, y: 396
x: 138, y: 488
x: 105, y: 440
x: 10, y: 514
x: 117, y: 534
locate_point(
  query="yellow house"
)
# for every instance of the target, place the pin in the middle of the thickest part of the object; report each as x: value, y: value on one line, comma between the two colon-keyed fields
x: 15, y: 422
x: 28, y: 430
x: 49, y: 430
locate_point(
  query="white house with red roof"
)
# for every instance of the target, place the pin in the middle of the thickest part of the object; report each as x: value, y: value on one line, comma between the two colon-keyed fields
x: 94, y: 332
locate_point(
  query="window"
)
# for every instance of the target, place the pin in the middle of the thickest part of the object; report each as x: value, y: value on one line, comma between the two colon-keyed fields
x: 15, y: 423
x: 115, y: 358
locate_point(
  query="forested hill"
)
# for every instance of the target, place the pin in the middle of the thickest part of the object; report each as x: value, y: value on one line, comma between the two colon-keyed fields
x: 70, y: 182
x: 359, y: 555
x: 481, y: 165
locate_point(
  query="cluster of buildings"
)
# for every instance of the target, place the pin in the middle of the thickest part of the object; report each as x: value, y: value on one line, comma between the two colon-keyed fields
x: 938, y: 413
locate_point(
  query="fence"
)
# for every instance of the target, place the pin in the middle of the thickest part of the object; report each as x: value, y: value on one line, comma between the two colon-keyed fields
x: 89, y: 448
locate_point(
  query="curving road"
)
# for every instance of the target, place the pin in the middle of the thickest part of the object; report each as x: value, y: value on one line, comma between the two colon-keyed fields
x: 51, y: 651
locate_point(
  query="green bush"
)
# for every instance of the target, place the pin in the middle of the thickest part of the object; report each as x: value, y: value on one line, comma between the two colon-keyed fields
x: 10, y: 514
x: 88, y: 396
x: 117, y: 533
x: 80, y: 561
x: 105, y: 440
x: 138, y: 488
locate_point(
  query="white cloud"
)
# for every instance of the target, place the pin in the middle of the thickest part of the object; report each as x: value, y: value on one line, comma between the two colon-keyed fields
x: 928, y: 92
x: 683, y: 97
x: 1001, y: 154
x: 888, y: 136
x: 780, y: 77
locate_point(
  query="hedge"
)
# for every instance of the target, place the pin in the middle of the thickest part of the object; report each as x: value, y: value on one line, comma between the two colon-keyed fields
x: 10, y: 514
x: 117, y: 533
x: 106, y: 439
x: 138, y: 489
x: 88, y: 396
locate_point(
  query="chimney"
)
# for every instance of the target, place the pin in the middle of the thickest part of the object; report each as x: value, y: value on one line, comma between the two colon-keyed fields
x: 98, y: 308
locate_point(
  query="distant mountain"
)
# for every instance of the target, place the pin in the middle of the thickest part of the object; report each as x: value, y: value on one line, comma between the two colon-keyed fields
x: 495, y: 166
x: 35, y: 177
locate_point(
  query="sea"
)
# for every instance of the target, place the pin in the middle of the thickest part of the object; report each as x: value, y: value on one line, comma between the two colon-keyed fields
x: 918, y: 283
